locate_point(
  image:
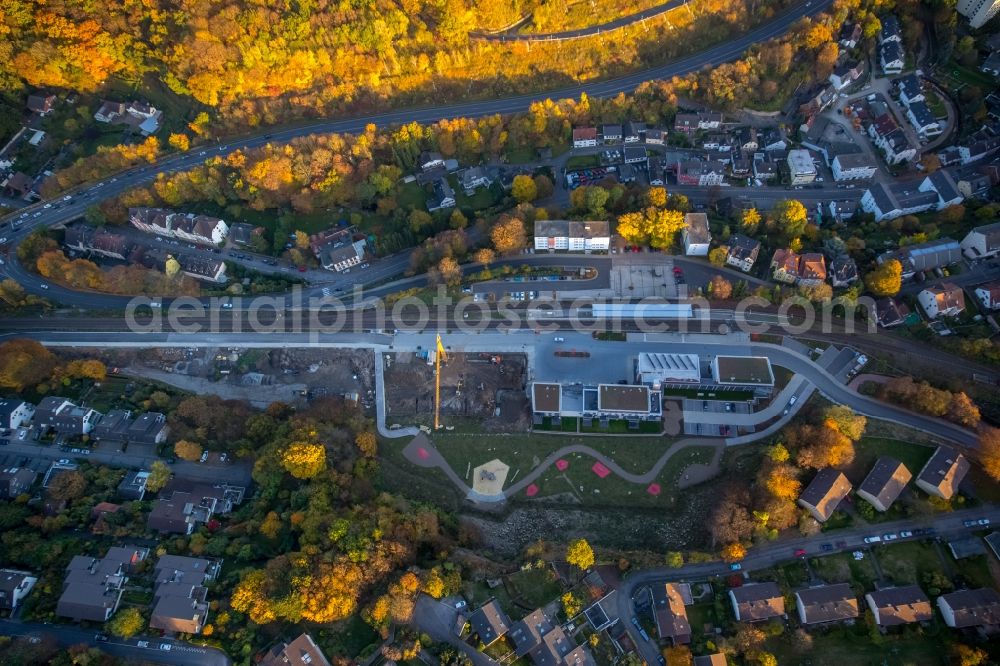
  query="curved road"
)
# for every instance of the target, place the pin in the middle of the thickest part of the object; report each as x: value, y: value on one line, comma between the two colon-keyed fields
x: 581, y: 32
x: 84, y: 196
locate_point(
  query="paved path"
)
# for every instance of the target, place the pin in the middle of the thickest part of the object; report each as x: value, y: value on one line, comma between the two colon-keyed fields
x: 579, y: 33
x: 867, y: 377
x: 409, y: 431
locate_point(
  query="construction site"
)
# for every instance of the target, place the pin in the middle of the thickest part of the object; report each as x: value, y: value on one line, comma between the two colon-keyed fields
x: 487, y: 387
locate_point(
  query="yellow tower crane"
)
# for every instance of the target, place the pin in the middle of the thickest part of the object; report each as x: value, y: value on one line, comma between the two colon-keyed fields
x: 439, y: 356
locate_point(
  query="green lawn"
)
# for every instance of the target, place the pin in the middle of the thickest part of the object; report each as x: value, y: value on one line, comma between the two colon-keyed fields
x: 479, y: 593
x: 907, y: 563
x: 534, y: 587
x: 410, y: 196
x: 351, y: 638
x: 481, y: 199
x: 841, y: 646
x: 843, y: 568
x: 969, y: 75
x: 866, y: 451
x: 583, y: 162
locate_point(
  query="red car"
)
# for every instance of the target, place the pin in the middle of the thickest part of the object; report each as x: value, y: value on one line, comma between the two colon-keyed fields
x: 800, y: 552
x: 677, y: 271
x: 302, y: 269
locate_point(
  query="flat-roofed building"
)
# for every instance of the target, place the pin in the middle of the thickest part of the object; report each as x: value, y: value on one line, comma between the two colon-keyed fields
x: 884, y: 483
x: 546, y: 398
x: 893, y: 606
x: 619, y: 398
x: 743, y: 371
x: 657, y: 369
x: 572, y: 235
x: 633, y: 403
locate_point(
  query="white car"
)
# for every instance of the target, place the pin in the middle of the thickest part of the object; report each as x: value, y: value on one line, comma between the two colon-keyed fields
x: 873, y: 539
x: 165, y: 646
x: 892, y: 536
x: 142, y: 644
x: 905, y: 534
x: 3, y: 240
x: 204, y: 457
x: 48, y: 205
x: 45, y: 286
x: 558, y: 339
x: 460, y: 604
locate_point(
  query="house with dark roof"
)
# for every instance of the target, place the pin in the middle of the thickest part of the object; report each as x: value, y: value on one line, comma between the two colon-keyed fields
x: 17, y: 184
x: 241, y: 233
x: 716, y: 659
x: 889, y: 312
x: 611, y: 133
x: 909, y: 88
x: 489, y: 622
x: 925, y: 256
x: 920, y: 116
x: 15, y: 481
x: 64, y: 417
x: 887, y: 202
x: 884, y: 483
x: 302, y: 651
x: 42, y: 104
x: 92, y: 588
x: 757, y: 602
x: 15, y: 585
x: 943, y: 184
x: 826, y: 603
x: 971, y: 608
x: 943, y: 473
x: 634, y: 131
x: 546, y: 643
x: 843, y: 271
x: 670, y: 613
x: 443, y: 196
x: 742, y: 252
x: 894, y: 606
x: 179, y: 594
x: 133, y: 485
x: 824, y: 493
x: 891, y: 58
x: 982, y: 242
x: 15, y: 412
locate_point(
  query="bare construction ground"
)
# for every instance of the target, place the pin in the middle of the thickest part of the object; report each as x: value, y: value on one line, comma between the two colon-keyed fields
x: 486, y: 387
x: 260, y: 376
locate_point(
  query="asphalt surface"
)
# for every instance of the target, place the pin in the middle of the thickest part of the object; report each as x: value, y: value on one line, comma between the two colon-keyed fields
x: 179, y: 654
x: 582, y: 32
x: 61, y: 211
x: 949, y: 524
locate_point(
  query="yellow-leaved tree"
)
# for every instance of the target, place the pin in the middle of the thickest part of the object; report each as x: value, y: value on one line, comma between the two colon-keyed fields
x: 304, y: 460
x: 886, y: 279
x: 580, y: 554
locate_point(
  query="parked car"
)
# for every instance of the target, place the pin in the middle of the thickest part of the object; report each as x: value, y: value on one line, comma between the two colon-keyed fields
x: 891, y: 536
x: 873, y: 539
x: 800, y: 552
x: 204, y: 457
x: 826, y: 547
x: 983, y: 521
x: 969, y: 523
x: 735, y: 566
x: 905, y: 534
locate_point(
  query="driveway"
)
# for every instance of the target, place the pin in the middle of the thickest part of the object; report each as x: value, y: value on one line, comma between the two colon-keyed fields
x: 437, y: 620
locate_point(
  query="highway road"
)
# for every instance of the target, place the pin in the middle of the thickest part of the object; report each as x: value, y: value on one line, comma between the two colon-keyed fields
x: 178, y: 654
x: 771, y: 554
x: 60, y: 211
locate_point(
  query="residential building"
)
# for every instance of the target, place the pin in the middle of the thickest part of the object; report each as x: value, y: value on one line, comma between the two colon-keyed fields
x: 887, y: 202
x: 634, y: 131
x: 850, y: 34
x: 764, y: 169
x: 852, y: 166
x: 342, y: 257
x: 546, y: 643
x: 241, y: 233
x: 148, y: 428
x: 109, y: 111
x: 15, y: 585
x: 826, y: 603
x: 655, y: 137
x: 302, y: 651
x: 978, y: 11
x: 14, y: 413
x: 572, y: 235
x: 884, y: 483
x: 660, y: 369
x: 785, y: 266
x: 891, y: 58
x: 92, y: 588
x: 190, y: 227
x: 989, y: 295
x: 183, y: 504
x: 890, y: 30
x: 443, y: 196
x: 801, y: 169
x: 920, y: 116
x: 970, y: 608
x: 973, y: 184
x: 634, y: 154
x: 891, y: 140
x: 889, y: 312
x: 670, y: 613
x: 991, y: 64
x: 18, y: 184
x: 843, y: 271
x: 807, y: 269
x: 943, y: 184
x: 584, y: 137
x: 943, y: 473
x: 704, y: 173
x: 824, y: 493
x: 475, y: 177
x: 757, y: 602
x: 942, y: 300
x: 64, y: 417
x: 982, y: 242
x: 633, y: 403
x: 626, y: 172
x: 843, y: 210
x: 15, y: 481
x: 925, y: 256
x: 489, y: 622
x: 133, y: 485
x: 696, y: 234
x: 894, y: 606
x: 743, y: 252
x: 611, y: 133
x: 746, y: 372
x: 845, y: 74
x: 979, y: 149
x: 771, y: 140
x: 910, y: 90
x: 740, y: 166
x: 714, y: 659
x: 430, y: 160
x: 112, y: 425
x: 179, y: 594
x: 689, y: 123
x: 42, y: 104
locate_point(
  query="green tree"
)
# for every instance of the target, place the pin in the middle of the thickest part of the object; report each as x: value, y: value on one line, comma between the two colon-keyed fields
x: 674, y: 559
x: 792, y: 217
x: 717, y: 256
x: 580, y: 554
x: 127, y: 622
